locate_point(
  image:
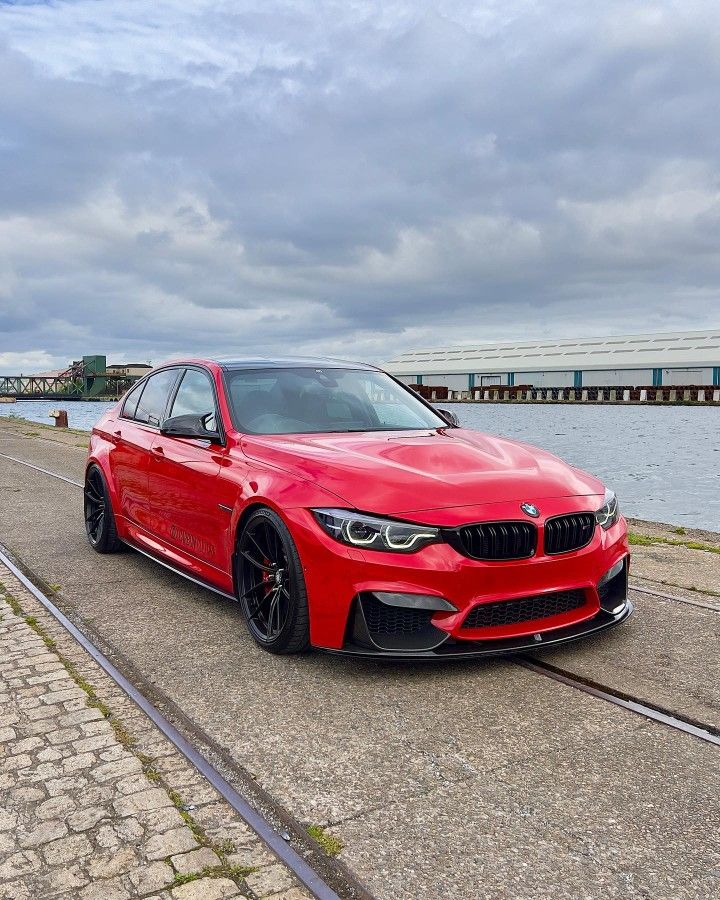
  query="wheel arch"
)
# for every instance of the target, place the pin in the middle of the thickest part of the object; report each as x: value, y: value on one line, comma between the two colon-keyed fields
x: 248, y: 511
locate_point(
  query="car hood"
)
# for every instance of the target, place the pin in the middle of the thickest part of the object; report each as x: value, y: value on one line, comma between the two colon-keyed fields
x: 396, y: 473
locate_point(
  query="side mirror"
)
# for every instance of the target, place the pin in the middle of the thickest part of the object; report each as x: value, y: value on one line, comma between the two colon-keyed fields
x: 191, y: 427
x: 449, y: 417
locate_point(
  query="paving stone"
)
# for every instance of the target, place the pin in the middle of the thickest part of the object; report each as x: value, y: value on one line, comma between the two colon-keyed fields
x: 195, y: 861
x: 158, y: 820
x: 59, y: 786
x: 27, y: 794
x: 22, y: 863
x: 63, y: 735
x: 129, y: 830
x: 55, y: 808
x: 105, y: 865
x: 8, y: 843
x: 78, y: 762
x: 61, y: 879
x: 17, y: 890
x: 82, y: 715
x: 251, y: 857
x: 13, y: 763
x: 151, y: 877
x: 269, y: 880
x: 43, y: 834
x: 154, y: 798
x: 206, y: 889
x: 161, y: 846
x: 8, y: 819
x: 53, y: 697
x: 131, y: 784
x: 96, y: 742
x: 67, y: 850
x: 109, y: 889
x: 87, y: 818
x: 49, y: 755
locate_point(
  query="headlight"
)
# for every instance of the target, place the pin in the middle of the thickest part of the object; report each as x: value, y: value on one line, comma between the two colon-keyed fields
x: 609, y: 512
x: 374, y: 533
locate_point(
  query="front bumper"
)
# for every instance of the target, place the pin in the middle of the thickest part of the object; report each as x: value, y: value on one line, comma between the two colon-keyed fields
x: 339, y: 577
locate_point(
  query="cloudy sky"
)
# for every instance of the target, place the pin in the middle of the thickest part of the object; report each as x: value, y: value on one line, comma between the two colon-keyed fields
x: 351, y: 177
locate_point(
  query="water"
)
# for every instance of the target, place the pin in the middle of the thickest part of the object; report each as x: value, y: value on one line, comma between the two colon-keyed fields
x: 663, y: 462
x: 81, y: 414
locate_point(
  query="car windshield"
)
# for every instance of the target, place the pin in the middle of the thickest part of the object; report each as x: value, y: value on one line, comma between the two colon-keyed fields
x: 309, y: 401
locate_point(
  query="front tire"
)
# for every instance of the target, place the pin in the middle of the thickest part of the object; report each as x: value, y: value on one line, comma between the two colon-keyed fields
x: 271, y: 586
x: 99, y: 517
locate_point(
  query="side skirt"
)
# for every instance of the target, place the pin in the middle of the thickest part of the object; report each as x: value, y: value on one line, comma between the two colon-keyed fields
x: 177, y: 571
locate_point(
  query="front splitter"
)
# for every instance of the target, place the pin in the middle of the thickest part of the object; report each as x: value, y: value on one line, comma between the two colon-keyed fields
x: 454, y: 649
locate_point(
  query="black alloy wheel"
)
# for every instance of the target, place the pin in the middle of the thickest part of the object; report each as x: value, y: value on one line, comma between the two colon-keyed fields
x: 99, y: 517
x: 270, y: 584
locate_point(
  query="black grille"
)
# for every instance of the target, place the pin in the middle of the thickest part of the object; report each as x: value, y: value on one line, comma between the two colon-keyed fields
x: 566, y: 533
x: 497, y: 540
x: 384, y: 619
x: 510, y: 612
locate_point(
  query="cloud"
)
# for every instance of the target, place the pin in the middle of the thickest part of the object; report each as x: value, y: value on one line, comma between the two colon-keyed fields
x: 353, y: 178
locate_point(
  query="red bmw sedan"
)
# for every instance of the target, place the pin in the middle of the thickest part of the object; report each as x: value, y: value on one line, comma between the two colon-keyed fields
x: 342, y: 511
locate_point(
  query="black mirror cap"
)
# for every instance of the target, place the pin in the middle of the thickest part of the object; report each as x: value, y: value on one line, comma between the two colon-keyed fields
x: 189, y: 426
x: 449, y: 417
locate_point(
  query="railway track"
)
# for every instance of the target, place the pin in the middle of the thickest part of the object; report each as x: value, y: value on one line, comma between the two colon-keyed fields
x: 533, y: 664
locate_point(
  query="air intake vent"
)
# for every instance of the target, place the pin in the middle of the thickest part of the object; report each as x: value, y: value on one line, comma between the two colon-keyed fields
x: 566, y: 533
x: 526, y: 609
x: 496, y: 540
x: 382, y: 619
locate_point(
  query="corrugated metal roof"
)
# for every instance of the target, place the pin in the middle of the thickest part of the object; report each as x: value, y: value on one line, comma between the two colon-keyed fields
x: 632, y: 351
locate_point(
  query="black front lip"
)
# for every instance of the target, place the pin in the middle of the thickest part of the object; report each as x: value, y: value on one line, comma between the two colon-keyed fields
x: 451, y: 649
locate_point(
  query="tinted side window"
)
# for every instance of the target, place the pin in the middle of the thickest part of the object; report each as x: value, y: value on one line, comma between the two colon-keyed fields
x: 131, y: 401
x: 195, y: 397
x: 151, y: 408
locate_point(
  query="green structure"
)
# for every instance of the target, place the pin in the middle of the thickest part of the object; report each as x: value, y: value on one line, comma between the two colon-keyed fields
x: 94, y: 380
x: 85, y: 379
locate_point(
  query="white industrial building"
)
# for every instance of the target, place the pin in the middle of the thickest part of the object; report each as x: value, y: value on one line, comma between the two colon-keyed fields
x: 680, y: 358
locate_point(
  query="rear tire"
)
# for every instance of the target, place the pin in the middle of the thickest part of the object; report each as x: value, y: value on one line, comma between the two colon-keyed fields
x: 271, y: 586
x: 99, y: 517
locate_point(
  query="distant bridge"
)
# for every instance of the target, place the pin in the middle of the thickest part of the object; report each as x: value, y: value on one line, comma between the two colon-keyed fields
x: 64, y: 387
x: 85, y: 379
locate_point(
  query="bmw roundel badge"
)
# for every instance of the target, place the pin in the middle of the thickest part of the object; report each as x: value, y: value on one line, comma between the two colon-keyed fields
x: 530, y: 509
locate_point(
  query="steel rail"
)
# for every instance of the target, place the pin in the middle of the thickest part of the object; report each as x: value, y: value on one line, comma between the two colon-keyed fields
x: 22, y: 462
x: 619, y: 699
x: 663, y: 596
x: 274, y: 840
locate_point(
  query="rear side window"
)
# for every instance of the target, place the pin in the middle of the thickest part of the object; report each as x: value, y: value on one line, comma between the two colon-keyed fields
x: 151, y: 408
x: 131, y: 401
x: 195, y: 397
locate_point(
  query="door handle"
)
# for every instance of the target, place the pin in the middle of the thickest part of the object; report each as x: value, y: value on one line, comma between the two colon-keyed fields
x: 159, y: 452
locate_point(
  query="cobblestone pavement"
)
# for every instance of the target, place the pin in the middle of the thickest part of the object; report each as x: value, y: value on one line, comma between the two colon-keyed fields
x: 95, y: 803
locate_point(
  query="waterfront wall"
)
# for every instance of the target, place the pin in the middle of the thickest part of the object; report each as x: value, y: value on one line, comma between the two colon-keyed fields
x: 650, y: 395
